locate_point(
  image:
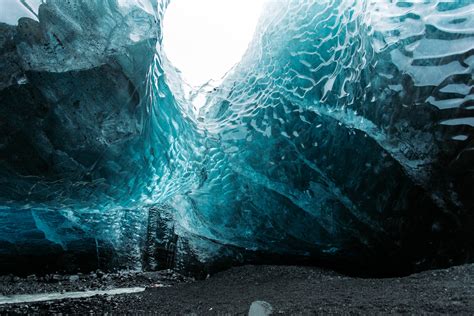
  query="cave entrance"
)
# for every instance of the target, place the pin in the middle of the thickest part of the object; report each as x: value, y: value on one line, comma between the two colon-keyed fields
x: 204, y: 39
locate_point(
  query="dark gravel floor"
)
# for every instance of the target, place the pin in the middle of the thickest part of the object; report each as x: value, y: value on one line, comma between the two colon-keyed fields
x: 289, y: 289
x: 98, y: 280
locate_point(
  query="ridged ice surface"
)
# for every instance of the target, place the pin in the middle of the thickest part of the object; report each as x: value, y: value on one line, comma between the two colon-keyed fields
x: 345, y: 133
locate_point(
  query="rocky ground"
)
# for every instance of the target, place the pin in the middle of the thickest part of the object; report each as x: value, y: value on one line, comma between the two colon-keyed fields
x: 97, y: 280
x: 288, y: 289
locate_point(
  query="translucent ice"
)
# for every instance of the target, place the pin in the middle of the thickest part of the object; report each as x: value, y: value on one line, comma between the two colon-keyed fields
x: 344, y: 134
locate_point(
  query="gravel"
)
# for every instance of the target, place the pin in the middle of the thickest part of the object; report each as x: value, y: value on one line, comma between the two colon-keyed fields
x: 287, y: 289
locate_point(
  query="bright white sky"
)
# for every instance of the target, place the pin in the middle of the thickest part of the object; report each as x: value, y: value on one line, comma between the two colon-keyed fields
x: 205, y: 38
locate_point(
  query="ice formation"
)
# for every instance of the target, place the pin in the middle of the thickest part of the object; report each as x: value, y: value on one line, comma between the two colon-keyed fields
x: 345, y: 134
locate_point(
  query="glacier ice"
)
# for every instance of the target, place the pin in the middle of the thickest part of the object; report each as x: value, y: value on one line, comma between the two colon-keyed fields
x: 344, y: 135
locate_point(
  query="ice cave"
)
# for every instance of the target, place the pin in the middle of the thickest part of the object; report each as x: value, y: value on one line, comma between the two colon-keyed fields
x: 342, y: 136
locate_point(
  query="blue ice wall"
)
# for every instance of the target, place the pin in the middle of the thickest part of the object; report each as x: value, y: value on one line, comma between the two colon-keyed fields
x: 346, y: 131
x: 345, y: 134
x: 89, y: 132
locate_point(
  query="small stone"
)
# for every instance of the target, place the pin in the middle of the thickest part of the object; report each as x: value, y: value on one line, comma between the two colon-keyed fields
x: 260, y: 308
x: 31, y: 277
x: 73, y: 278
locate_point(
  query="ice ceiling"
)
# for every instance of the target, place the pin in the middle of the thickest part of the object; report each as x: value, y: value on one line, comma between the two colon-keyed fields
x: 344, y: 134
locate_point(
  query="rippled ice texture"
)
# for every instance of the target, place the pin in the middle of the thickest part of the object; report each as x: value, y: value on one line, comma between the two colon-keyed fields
x: 344, y: 134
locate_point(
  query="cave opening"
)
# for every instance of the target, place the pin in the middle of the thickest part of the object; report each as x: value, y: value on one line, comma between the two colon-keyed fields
x: 205, y: 39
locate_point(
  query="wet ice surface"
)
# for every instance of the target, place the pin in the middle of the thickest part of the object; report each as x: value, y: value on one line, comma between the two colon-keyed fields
x: 345, y: 133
